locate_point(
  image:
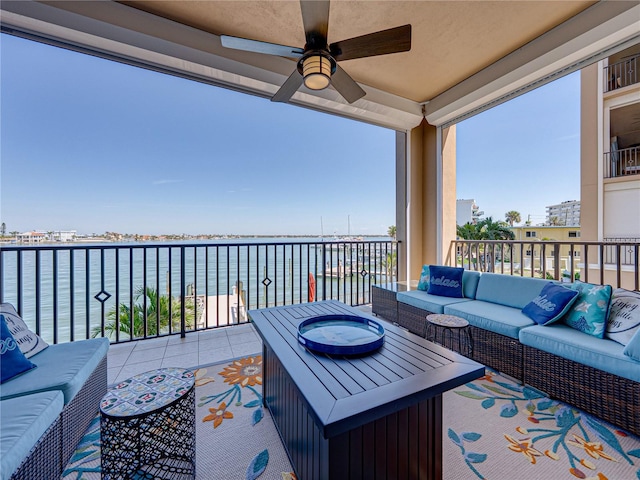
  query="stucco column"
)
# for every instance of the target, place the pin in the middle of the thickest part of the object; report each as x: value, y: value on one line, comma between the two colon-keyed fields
x: 589, y: 156
x: 426, y: 197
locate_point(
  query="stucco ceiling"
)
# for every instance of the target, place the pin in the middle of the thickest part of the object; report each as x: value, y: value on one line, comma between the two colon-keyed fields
x: 451, y: 40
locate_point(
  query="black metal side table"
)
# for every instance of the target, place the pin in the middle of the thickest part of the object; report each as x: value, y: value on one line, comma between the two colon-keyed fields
x: 449, y: 331
x: 147, y: 426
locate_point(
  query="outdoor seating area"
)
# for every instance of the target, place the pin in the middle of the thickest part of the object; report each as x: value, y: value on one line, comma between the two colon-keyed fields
x: 49, y: 395
x: 129, y: 359
x: 581, y: 343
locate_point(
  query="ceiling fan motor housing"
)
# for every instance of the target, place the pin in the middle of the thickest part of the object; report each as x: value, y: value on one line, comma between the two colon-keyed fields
x: 316, y: 67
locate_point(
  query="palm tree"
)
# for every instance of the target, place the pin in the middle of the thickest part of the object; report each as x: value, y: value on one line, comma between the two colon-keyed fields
x: 556, y: 221
x: 469, y: 231
x: 158, y: 315
x: 495, y: 230
x: 512, y: 217
x: 389, y: 263
x: 392, y: 231
x: 485, y: 229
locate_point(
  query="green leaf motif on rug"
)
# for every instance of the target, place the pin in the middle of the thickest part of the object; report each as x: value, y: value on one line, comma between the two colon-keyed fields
x: 508, y: 410
x: 580, y: 445
x: 469, y: 457
x: 257, y: 416
x: 258, y: 465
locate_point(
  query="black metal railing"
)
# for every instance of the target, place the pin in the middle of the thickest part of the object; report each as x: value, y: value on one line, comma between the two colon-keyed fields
x: 134, y: 291
x: 616, y: 263
x: 622, y: 162
x: 621, y: 74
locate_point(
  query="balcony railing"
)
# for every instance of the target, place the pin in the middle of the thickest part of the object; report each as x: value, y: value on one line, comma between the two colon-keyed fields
x: 130, y: 292
x: 615, y: 263
x: 622, y: 162
x: 621, y: 74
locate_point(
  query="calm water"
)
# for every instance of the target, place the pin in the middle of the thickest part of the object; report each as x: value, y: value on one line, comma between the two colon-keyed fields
x: 267, y: 275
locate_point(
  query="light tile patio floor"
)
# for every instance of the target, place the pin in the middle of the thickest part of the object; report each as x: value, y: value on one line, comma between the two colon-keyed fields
x: 197, y: 348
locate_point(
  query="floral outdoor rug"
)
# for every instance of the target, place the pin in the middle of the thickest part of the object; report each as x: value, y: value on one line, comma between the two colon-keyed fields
x: 496, y: 429
x: 235, y: 436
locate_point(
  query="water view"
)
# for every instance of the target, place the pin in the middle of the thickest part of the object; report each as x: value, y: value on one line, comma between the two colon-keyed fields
x: 74, y: 291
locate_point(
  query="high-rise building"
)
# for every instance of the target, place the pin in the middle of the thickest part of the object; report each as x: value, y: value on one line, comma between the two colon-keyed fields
x: 565, y: 213
x: 467, y: 212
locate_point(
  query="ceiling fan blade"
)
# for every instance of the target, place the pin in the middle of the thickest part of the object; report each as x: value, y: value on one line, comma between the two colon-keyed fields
x: 288, y: 88
x: 346, y: 86
x: 245, y: 44
x: 315, y: 18
x: 383, y: 42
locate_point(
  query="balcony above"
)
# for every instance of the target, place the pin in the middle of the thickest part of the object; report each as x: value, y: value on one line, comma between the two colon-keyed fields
x: 620, y: 163
x: 621, y: 74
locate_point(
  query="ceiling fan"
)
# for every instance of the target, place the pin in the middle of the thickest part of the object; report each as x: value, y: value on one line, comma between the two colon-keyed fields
x: 318, y: 61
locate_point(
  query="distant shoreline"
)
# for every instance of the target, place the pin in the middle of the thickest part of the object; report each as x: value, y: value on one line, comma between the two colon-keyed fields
x: 191, y: 238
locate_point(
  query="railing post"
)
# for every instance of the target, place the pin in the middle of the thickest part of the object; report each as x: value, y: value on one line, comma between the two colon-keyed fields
x: 556, y: 262
x: 324, y: 271
x: 182, y: 294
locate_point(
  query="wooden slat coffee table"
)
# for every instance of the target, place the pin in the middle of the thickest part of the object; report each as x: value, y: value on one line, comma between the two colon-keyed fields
x: 375, y: 416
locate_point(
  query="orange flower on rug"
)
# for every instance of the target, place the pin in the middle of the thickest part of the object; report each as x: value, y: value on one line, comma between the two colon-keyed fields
x: 217, y: 415
x: 245, y: 371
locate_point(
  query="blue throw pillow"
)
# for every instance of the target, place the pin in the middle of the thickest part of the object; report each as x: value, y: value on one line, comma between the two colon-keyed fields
x: 423, y: 284
x: 552, y: 303
x: 589, y: 312
x: 445, y: 281
x: 12, y: 360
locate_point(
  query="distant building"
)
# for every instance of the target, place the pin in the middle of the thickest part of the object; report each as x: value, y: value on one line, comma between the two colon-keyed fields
x: 31, y: 237
x: 64, y: 236
x: 565, y: 213
x: 537, y: 233
x: 467, y: 212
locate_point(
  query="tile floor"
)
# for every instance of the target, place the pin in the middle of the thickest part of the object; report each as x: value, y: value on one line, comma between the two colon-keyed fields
x: 198, y: 348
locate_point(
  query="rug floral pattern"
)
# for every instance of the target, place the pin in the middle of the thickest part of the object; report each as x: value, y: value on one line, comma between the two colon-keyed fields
x: 228, y: 402
x: 540, y: 437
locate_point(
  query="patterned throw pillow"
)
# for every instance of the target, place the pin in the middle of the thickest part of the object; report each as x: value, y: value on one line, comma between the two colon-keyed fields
x: 589, y: 313
x: 29, y: 342
x: 552, y: 303
x: 12, y: 360
x: 423, y: 284
x: 445, y: 281
x: 624, y: 316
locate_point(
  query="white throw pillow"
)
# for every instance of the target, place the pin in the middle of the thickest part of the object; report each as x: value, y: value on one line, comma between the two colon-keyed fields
x: 28, y: 342
x: 624, y: 316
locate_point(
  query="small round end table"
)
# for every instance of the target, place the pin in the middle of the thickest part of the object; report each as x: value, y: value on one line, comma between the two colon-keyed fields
x: 449, y: 331
x: 147, y: 426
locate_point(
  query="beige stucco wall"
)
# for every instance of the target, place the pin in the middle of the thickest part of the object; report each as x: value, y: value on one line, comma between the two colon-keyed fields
x: 430, y: 196
x: 589, y: 156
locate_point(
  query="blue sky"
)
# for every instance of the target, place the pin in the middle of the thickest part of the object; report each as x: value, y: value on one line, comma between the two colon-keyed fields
x: 96, y: 146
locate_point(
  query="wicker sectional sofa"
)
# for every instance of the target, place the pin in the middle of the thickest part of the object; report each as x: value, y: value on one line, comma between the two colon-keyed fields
x: 590, y: 373
x: 46, y: 411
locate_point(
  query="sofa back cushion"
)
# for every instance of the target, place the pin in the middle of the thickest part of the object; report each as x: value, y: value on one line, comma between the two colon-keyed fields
x: 445, y: 281
x: 509, y: 290
x: 470, y: 281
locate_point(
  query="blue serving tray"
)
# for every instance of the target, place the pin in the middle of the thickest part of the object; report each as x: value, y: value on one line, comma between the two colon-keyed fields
x: 341, y: 334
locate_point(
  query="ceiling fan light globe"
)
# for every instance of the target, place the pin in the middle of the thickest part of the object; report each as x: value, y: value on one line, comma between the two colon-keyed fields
x: 316, y: 70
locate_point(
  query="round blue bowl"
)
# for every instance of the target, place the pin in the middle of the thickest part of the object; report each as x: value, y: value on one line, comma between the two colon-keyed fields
x: 341, y: 334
